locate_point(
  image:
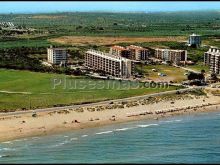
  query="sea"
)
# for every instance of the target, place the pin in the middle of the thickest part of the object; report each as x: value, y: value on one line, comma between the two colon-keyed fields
x: 180, y: 139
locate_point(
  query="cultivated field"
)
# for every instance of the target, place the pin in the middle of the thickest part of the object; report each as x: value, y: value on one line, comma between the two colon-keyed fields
x: 48, y: 17
x: 88, y: 40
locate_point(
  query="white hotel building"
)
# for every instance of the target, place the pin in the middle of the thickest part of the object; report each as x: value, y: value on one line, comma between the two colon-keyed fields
x: 56, y: 55
x: 111, y: 64
x: 212, y: 59
x: 174, y: 56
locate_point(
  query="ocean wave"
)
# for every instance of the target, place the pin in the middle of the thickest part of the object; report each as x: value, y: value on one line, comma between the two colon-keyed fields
x: 105, y: 132
x: 18, y: 140
x: 64, y: 142
x: 178, y: 120
x: 3, y: 156
x: 73, y: 139
x: 60, y: 144
x: 7, y: 149
x: 84, y: 135
x: 147, y: 125
x: 170, y: 121
x: 8, y: 142
x: 124, y: 129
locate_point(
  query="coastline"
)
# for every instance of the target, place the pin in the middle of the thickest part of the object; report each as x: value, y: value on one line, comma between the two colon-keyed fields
x: 45, y: 123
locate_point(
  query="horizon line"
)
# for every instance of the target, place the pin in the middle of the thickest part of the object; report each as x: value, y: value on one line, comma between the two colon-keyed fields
x: 101, y: 11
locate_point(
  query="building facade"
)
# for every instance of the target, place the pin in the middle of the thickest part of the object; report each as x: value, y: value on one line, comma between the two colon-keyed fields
x: 131, y: 52
x: 138, y: 53
x: 212, y: 59
x: 57, y: 55
x: 111, y: 64
x: 195, y: 40
x: 120, y: 51
x: 174, y: 56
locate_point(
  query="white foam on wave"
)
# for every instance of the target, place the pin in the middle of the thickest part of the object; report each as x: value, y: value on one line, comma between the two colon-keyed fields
x: 84, y: 135
x: 124, y: 129
x: 73, y: 139
x: 147, y: 125
x: 7, y: 149
x: 170, y: 121
x: 2, y: 156
x: 7, y: 142
x: 178, y: 120
x: 18, y: 140
x: 66, y: 136
x: 105, y: 132
x: 65, y: 142
x: 60, y: 144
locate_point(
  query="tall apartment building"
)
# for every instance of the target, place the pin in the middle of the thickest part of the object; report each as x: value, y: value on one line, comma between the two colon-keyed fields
x: 212, y: 59
x: 138, y: 53
x: 131, y: 52
x: 174, y: 56
x: 195, y: 40
x: 120, y: 51
x: 57, y: 55
x: 110, y: 64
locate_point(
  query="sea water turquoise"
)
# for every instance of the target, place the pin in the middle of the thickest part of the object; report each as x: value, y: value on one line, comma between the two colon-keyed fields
x: 180, y: 139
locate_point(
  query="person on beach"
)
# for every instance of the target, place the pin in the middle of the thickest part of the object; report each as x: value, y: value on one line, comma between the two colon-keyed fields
x: 76, y: 121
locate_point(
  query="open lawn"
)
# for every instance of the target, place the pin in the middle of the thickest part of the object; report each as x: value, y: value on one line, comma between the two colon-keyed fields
x: 198, y: 67
x: 29, y: 90
x: 172, y: 73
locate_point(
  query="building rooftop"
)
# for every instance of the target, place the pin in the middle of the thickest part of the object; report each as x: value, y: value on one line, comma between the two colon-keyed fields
x: 214, y: 50
x: 136, y: 47
x: 57, y: 48
x: 118, y: 47
x: 106, y: 55
x: 194, y: 34
x: 174, y: 50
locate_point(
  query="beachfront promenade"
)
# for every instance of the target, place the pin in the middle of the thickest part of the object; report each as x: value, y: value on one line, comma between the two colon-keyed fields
x: 99, y: 103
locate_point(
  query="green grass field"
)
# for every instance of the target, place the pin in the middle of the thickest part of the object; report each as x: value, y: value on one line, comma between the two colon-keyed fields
x: 42, y: 92
x: 173, y: 74
x: 198, y: 67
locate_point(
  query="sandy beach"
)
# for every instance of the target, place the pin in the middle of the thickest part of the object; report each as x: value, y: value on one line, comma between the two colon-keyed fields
x: 43, y: 123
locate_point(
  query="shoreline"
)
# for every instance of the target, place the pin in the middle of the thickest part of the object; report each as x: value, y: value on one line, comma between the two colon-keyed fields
x: 46, y: 123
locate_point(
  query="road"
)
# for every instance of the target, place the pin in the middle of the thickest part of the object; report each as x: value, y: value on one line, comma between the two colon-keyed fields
x: 188, y: 69
x: 191, y: 70
x: 52, y: 109
x: 15, y: 92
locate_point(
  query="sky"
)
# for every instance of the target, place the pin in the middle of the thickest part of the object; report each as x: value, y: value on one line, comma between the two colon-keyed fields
x: 108, y: 6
